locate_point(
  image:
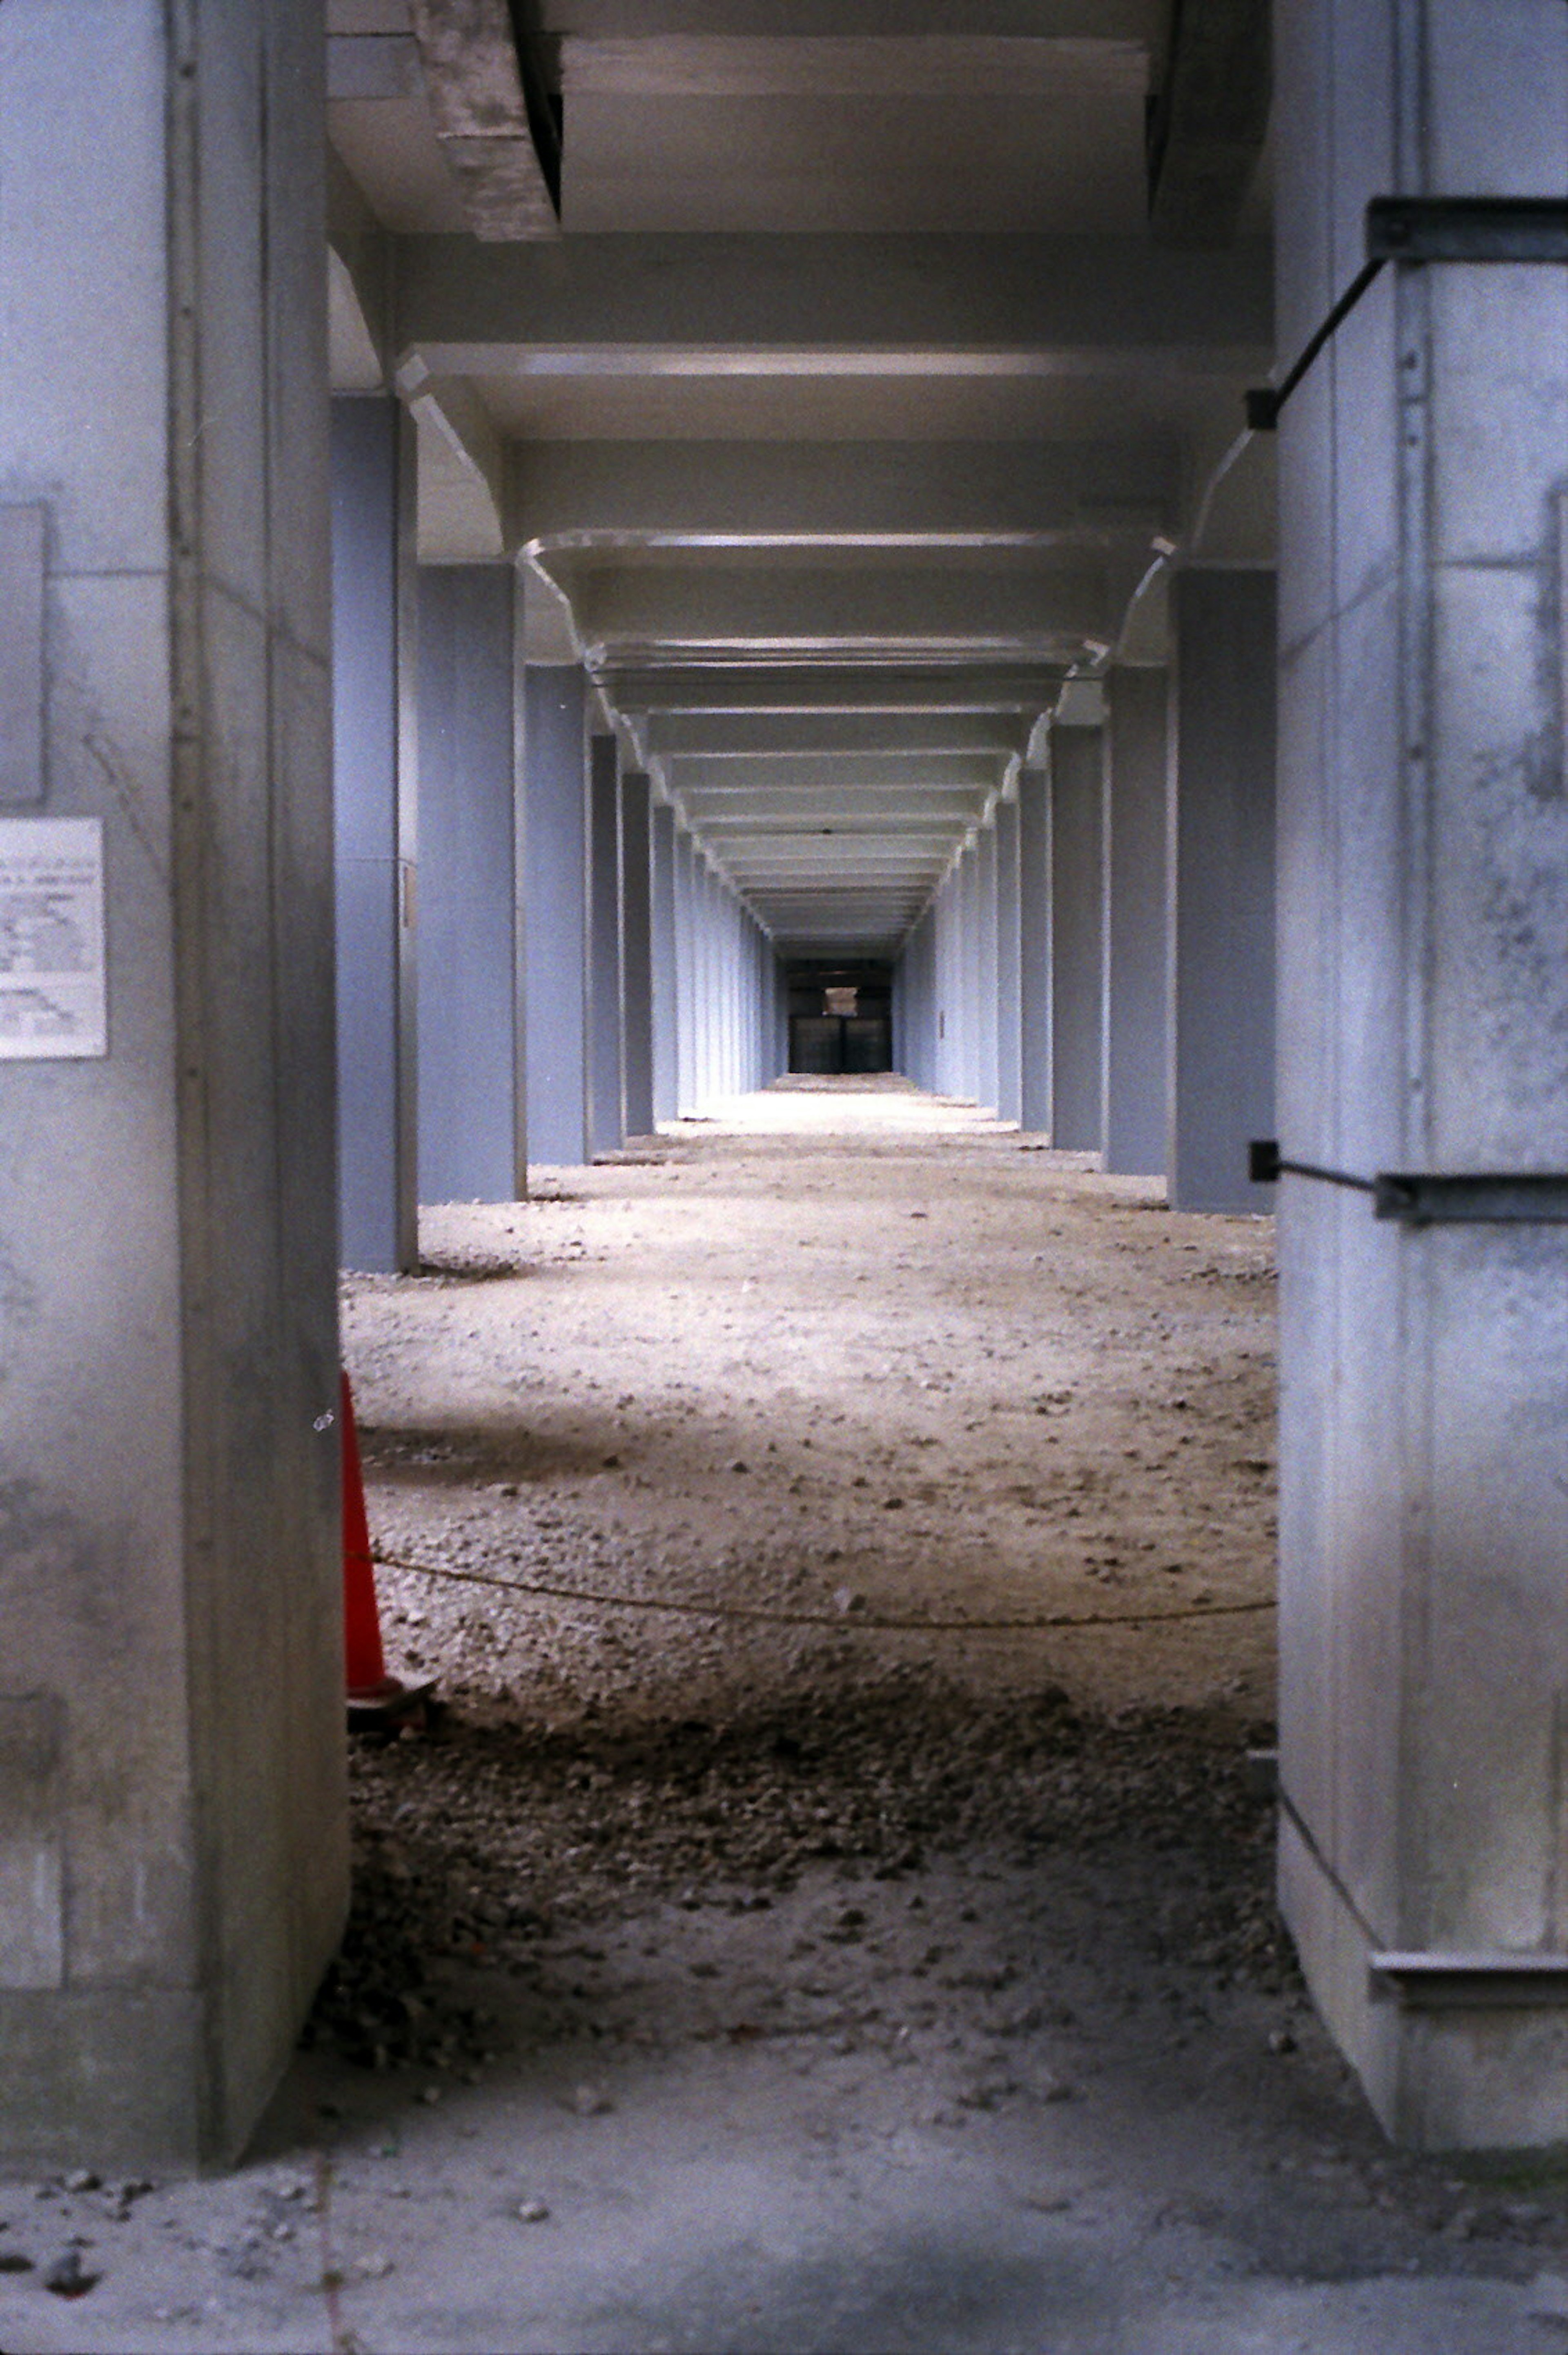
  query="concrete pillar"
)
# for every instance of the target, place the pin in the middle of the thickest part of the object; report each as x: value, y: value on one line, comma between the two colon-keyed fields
x: 949, y: 1010
x: 1010, y: 976
x: 173, y: 1820
x: 1222, y: 758
x: 662, y: 981
x: 700, y: 1024
x: 989, y: 1090
x: 606, y: 1052
x: 1034, y: 952
x: 637, y: 951
x: 554, y: 894
x: 1423, y: 1006
x: 1077, y: 950
x: 970, y: 970
x: 1137, y: 942
x: 473, y: 1145
x: 376, y: 797
x: 685, y: 972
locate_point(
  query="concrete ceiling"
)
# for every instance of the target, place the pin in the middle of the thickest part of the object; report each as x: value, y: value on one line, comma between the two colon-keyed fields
x: 843, y: 411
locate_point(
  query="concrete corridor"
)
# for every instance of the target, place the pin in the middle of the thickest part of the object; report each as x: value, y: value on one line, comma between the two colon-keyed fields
x: 789, y: 1980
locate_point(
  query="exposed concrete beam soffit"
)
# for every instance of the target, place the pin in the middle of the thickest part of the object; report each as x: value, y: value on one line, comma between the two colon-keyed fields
x: 499, y: 148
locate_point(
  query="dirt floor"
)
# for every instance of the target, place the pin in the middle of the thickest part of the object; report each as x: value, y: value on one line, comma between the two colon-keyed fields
x: 832, y: 1913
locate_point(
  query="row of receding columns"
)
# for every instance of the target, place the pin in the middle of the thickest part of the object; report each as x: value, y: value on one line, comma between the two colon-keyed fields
x: 1098, y: 964
x: 536, y: 960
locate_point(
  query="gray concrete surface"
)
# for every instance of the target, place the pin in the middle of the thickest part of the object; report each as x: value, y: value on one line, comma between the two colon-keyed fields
x: 1423, y: 834
x: 1138, y: 940
x: 1221, y: 913
x: 989, y: 1088
x: 1010, y: 976
x: 663, y: 982
x: 473, y: 1141
x: 555, y: 758
x: 375, y: 809
x: 172, y: 1823
x: 606, y: 1013
x: 1034, y: 951
x: 1077, y: 938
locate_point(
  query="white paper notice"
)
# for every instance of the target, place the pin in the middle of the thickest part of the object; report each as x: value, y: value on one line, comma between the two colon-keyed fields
x: 53, y: 999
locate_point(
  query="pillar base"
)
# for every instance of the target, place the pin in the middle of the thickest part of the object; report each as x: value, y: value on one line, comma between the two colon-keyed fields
x: 1440, y: 2075
x: 108, y: 2078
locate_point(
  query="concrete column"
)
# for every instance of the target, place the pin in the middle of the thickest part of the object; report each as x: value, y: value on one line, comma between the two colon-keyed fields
x: 1010, y: 976
x: 473, y: 1143
x: 173, y: 1822
x: 555, y: 892
x: 685, y: 972
x: 1137, y: 946
x: 376, y: 795
x: 663, y: 980
x: 949, y: 1010
x: 990, y: 1064
x: 1034, y: 952
x: 1423, y: 1009
x: 1222, y: 757
x: 970, y: 969
x: 698, y: 978
x: 637, y: 951
x: 606, y: 1056
x: 1077, y: 951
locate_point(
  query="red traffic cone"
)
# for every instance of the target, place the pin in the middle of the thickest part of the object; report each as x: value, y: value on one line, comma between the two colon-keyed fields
x: 374, y: 1697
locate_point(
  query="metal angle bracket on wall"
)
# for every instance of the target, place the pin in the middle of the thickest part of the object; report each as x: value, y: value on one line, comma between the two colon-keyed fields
x: 1460, y: 1982
x: 1423, y: 229
x: 1432, y: 1198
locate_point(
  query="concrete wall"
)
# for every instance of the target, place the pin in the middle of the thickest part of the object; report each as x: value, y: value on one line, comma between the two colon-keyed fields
x: 662, y: 955
x: 1077, y: 937
x: 173, y: 1850
x: 606, y: 1065
x: 471, y: 1141
x: 1035, y: 1025
x: 1424, y: 1010
x: 375, y: 805
x: 637, y: 951
x: 1137, y: 937
x: 555, y: 896
x: 988, y: 1076
x: 1221, y: 915
x: 1009, y: 970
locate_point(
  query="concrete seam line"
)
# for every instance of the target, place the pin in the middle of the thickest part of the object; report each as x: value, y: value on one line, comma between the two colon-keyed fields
x: 831, y: 1619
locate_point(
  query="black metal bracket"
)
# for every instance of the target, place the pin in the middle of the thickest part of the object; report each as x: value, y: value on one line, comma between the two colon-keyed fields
x: 1266, y: 1167
x: 1468, y: 229
x: 1473, y: 1198
x: 1421, y: 230
x: 1477, y: 1982
x: 1435, y: 1198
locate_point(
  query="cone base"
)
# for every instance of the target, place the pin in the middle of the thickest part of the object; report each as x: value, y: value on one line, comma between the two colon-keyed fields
x: 389, y: 1701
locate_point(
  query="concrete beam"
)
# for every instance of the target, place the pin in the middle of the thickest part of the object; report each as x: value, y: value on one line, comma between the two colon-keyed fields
x: 360, y: 334
x: 907, y: 862
x: 790, y: 773
x: 1209, y: 120
x: 1023, y: 687
x: 572, y: 493
x: 472, y: 73
x: 738, y: 812
x: 1086, y: 307
x: 727, y: 738
x: 462, y: 470
x: 602, y: 21
x: 1050, y: 611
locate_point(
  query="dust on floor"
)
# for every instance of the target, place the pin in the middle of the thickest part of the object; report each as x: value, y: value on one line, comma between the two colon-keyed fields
x: 834, y: 1911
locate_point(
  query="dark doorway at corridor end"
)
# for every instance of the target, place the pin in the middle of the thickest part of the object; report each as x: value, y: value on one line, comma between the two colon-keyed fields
x: 840, y: 1018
